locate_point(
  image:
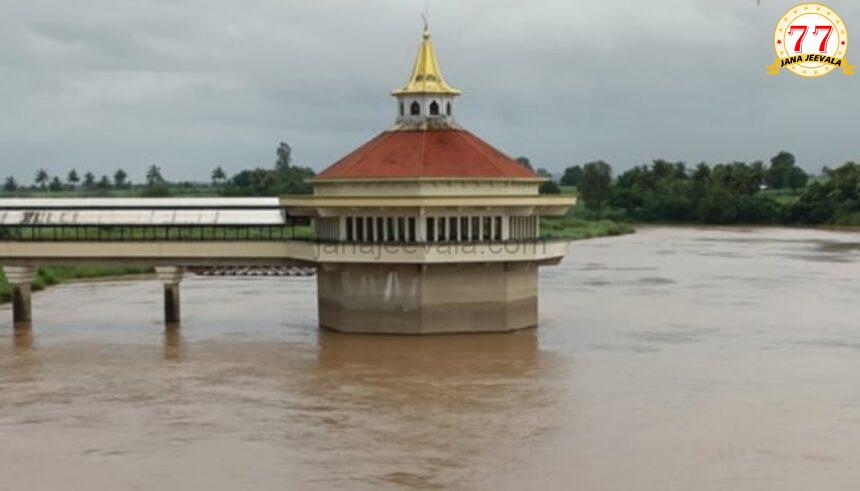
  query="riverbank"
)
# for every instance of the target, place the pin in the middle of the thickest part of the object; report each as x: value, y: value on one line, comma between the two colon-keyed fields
x: 53, y: 275
x: 578, y: 229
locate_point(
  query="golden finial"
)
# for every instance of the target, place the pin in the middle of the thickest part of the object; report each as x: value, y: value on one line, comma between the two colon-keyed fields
x: 424, y: 17
x: 426, y: 77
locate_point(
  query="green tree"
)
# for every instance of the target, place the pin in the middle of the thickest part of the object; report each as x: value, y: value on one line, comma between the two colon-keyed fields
x: 42, y: 178
x: 73, y: 179
x: 56, y: 184
x: 757, y: 208
x: 702, y: 174
x: 549, y: 187
x: 778, y: 175
x: 835, y: 200
x: 120, y: 179
x: 525, y: 162
x: 285, y: 157
x: 796, y: 178
x: 11, y: 184
x: 817, y: 204
x: 218, y: 176
x: 153, y: 176
x: 89, y: 180
x: 595, y: 185
x: 737, y: 177
x: 544, y: 173
x: 783, y: 159
x: 572, y: 176
x: 717, y: 207
x: 104, y: 183
x: 265, y: 182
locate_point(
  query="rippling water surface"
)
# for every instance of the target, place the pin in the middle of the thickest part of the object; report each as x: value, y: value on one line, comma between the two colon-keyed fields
x: 675, y: 358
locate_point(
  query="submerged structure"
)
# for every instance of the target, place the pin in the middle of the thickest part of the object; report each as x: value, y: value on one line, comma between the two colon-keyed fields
x: 426, y: 228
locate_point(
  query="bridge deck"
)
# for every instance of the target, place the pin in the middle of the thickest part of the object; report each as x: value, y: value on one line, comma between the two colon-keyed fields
x: 283, y: 252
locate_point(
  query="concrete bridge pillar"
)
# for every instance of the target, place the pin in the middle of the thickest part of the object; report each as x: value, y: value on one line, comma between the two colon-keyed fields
x: 20, y: 278
x: 170, y: 276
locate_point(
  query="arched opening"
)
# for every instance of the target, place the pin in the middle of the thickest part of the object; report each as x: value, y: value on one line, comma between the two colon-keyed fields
x: 434, y: 108
x: 415, y: 109
x: 401, y: 109
x: 448, y: 109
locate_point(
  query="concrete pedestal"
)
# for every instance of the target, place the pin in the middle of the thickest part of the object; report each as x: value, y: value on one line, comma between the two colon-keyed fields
x: 428, y: 299
x: 172, y: 314
x: 21, y: 278
x: 22, y: 305
x: 171, y: 277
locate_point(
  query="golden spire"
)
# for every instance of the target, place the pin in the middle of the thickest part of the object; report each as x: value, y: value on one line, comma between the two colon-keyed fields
x: 426, y: 77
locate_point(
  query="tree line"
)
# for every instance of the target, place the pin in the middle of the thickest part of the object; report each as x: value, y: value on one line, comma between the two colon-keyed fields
x: 732, y: 193
x: 283, y: 178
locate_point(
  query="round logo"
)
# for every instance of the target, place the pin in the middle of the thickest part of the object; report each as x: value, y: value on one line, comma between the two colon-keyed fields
x: 811, y: 40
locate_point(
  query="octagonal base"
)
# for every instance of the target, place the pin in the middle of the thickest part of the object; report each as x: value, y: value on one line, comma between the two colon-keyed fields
x: 427, y: 299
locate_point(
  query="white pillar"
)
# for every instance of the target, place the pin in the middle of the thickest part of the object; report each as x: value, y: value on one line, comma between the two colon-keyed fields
x: 492, y: 228
x: 421, y: 229
x: 396, y: 228
x: 506, y: 229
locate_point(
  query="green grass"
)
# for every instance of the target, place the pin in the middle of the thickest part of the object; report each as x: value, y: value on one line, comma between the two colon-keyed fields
x: 52, y: 275
x: 849, y: 220
x: 783, y: 196
x: 578, y: 229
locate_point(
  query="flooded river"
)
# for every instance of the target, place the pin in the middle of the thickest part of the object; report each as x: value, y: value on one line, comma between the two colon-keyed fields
x: 673, y: 359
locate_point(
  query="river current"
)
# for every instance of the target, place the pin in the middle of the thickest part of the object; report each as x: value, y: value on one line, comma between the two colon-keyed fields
x: 671, y: 359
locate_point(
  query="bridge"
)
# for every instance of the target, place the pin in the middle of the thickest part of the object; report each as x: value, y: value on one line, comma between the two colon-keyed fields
x: 214, y: 237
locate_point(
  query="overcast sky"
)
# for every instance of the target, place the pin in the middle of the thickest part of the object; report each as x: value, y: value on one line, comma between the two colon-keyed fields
x: 189, y: 85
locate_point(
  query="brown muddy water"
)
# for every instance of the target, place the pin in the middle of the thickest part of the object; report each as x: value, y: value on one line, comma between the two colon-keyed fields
x: 673, y: 359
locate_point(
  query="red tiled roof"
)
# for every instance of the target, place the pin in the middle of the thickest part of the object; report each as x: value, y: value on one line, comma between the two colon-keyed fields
x: 426, y: 153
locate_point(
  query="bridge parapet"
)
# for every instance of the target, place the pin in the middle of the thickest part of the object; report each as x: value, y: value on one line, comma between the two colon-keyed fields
x: 144, y: 219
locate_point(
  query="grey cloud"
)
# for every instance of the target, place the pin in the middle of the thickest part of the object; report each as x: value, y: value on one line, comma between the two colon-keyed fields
x: 194, y: 84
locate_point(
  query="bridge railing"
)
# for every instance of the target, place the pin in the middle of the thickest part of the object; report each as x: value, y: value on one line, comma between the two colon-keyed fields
x: 149, y: 219
x: 134, y: 233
